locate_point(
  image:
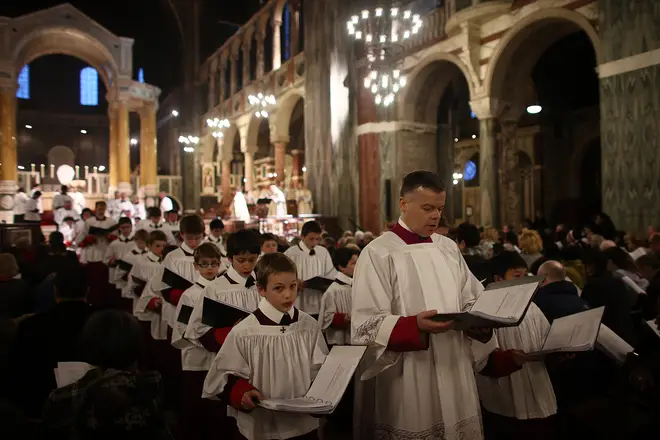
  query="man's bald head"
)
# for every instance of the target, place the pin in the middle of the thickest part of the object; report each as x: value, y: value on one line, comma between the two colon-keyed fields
x: 553, y: 270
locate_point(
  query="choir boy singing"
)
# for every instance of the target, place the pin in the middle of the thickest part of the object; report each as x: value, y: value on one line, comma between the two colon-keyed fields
x: 335, y: 316
x: 116, y: 250
x: 274, y: 353
x: 138, y: 249
x: 423, y: 383
x: 198, y: 421
x: 154, y: 222
x: 235, y: 287
x: 217, y: 228
x: 312, y: 261
x: 93, y: 250
x: 522, y: 405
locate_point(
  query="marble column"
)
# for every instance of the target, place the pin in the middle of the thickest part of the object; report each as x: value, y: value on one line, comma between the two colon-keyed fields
x: 488, y: 173
x: 113, y: 164
x: 148, y: 152
x: 280, y: 153
x: 246, y: 61
x: 249, y: 171
x: 511, y: 206
x: 123, y: 150
x: 8, y: 154
x: 225, y: 176
x: 297, y: 162
x: 277, y: 45
x: 261, y: 37
x: 233, y: 72
x: 629, y: 106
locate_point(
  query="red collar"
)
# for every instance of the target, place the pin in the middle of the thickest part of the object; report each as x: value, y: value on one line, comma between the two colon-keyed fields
x: 409, y: 237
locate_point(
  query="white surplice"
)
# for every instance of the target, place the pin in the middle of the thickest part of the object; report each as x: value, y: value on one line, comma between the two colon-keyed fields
x: 144, y: 270
x: 421, y: 395
x: 193, y: 357
x: 149, y: 226
x: 181, y: 262
x: 94, y: 253
x: 117, y: 249
x: 337, y: 299
x: 241, y: 211
x: 527, y: 393
x: 131, y: 257
x: 310, y: 266
x: 280, y: 364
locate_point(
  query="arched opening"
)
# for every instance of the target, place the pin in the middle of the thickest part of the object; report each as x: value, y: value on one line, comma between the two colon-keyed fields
x: 263, y: 158
x: 590, y: 181
x: 237, y: 176
x: 294, y: 174
x: 528, y: 69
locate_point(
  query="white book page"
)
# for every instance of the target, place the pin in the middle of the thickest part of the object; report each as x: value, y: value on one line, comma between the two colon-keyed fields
x: 506, y: 302
x: 653, y: 326
x: 578, y: 331
x: 635, y: 288
x: 336, y: 373
x: 612, y: 345
x: 67, y: 373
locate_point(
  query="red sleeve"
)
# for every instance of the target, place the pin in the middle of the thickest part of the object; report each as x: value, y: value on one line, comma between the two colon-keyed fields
x: 240, y: 387
x: 175, y: 296
x: 88, y: 240
x: 406, y: 336
x: 152, y: 305
x: 500, y: 364
x: 339, y: 321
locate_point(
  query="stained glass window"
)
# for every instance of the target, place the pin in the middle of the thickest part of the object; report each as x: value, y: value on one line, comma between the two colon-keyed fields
x: 287, y: 33
x: 470, y: 170
x: 23, y: 91
x: 89, y: 86
x: 141, y: 75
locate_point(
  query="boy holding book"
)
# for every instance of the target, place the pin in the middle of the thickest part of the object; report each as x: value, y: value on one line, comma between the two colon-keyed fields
x: 235, y: 287
x: 335, y: 312
x: 274, y: 353
x: 198, y: 418
x: 126, y: 262
x: 116, y: 249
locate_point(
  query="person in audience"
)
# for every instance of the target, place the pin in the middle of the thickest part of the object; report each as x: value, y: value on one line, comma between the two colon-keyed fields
x: 199, y: 416
x: 521, y: 405
x: 276, y: 340
x: 649, y: 268
x: 622, y: 266
x: 531, y: 245
x: 312, y: 261
x: 15, y: 294
x: 469, y: 241
x: 334, y: 316
x: 557, y: 296
x: 268, y: 243
x: 112, y: 400
x: 50, y: 337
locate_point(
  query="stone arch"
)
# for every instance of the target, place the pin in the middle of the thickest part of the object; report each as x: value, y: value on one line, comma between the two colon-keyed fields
x: 527, y: 40
x: 227, y: 148
x: 284, y: 112
x: 251, y: 134
x: 65, y: 30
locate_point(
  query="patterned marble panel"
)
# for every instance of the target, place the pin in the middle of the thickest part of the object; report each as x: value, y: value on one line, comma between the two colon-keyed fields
x: 628, y: 27
x: 630, y: 128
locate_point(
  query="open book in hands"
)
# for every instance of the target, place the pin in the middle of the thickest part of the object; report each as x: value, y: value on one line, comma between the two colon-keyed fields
x: 329, y: 386
x: 573, y: 333
x: 501, y: 304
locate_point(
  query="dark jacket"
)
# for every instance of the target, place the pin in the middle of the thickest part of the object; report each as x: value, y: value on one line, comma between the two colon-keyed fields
x: 42, y: 341
x: 559, y: 299
x: 15, y: 298
x: 609, y: 291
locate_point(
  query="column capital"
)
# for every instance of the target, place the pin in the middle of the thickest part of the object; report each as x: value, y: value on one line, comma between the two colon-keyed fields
x: 276, y: 22
x: 486, y: 107
x: 249, y: 149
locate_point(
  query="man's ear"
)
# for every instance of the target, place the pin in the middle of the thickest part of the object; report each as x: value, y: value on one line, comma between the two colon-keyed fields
x: 402, y: 205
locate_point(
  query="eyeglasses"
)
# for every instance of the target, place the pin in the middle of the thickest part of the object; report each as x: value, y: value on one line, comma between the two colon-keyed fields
x: 211, y: 265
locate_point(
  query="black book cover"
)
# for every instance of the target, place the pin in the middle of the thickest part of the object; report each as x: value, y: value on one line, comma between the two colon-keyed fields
x: 139, y: 286
x: 123, y: 265
x: 175, y: 281
x: 184, y: 314
x: 218, y: 315
x: 320, y: 284
x: 100, y: 232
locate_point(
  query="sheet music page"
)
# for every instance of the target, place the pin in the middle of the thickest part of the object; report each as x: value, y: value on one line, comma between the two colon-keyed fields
x: 67, y: 373
x: 630, y: 283
x: 653, y: 326
x: 575, y: 331
x: 336, y: 373
x: 505, y: 302
x: 612, y: 345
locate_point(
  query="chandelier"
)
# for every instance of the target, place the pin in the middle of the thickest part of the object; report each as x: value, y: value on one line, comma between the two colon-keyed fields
x: 189, y: 142
x: 219, y: 124
x: 262, y: 102
x: 383, y: 30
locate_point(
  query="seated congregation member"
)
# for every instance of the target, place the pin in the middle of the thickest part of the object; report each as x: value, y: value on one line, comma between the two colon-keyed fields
x: 649, y: 267
x: 154, y: 222
x: 521, y: 405
x: 269, y: 243
x: 312, y: 261
x: 93, y: 250
x: 235, y: 287
x: 15, y: 293
x: 557, y: 297
x: 50, y: 337
x: 198, y: 418
x: 112, y: 400
x: 335, y: 312
x: 274, y: 353
x: 116, y: 250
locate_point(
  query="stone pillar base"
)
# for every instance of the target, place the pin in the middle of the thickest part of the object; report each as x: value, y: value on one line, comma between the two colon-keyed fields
x: 125, y: 188
x: 7, y: 192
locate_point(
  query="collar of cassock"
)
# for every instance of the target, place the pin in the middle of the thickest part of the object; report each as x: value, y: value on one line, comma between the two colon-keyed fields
x: 139, y: 252
x: 212, y: 239
x: 266, y: 314
x: 235, y: 278
x: 305, y: 249
x: 202, y: 282
x: 125, y: 239
x: 153, y: 257
x: 343, y: 280
x: 187, y: 251
x: 408, y: 236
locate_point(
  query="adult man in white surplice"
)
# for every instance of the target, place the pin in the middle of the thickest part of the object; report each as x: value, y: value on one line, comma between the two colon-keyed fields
x: 419, y: 373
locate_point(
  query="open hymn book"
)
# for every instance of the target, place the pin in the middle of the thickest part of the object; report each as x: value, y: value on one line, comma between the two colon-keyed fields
x: 572, y: 333
x: 329, y: 386
x: 501, y: 304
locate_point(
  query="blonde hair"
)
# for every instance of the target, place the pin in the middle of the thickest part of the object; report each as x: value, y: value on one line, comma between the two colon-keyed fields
x: 530, y: 242
x: 8, y: 266
x: 491, y: 234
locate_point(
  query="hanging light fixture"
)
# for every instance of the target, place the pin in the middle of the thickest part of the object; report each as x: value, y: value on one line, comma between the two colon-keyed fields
x: 262, y: 102
x: 383, y: 31
x: 218, y: 125
x: 188, y: 142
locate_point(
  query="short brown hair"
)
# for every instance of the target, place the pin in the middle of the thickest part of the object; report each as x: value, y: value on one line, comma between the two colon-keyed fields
x: 156, y: 236
x: 207, y: 250
x: 141, y: 235
x: 192, y: 224
x: 271, y: 264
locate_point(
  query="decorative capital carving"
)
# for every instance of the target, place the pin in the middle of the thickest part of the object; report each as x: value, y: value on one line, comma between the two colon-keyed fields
x: 486, y: 107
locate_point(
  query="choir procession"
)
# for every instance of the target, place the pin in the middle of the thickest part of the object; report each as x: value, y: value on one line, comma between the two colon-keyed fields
x: 425, y: 332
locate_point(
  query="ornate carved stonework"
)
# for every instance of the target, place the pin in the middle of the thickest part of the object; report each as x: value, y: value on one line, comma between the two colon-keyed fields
x: 510, y: 174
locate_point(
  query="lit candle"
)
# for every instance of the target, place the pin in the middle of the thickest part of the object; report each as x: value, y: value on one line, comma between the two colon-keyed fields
x: 33, y: 167
x: 95, y: 170
x: 77, y: 172
x: 42, y: 168
x: 86, y: 171
x: 52, y: 171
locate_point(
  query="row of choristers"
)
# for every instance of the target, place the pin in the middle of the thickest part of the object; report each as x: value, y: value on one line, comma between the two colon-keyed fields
x: 214, y: 365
